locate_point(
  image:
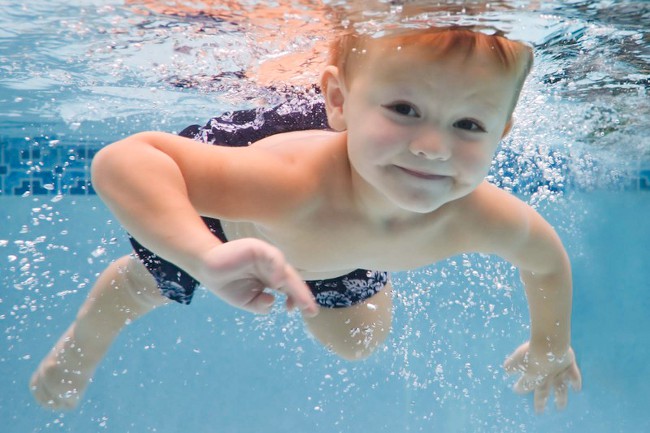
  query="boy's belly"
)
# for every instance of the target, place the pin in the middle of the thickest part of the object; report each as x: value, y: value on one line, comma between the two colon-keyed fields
x: 306, y: 267
x: 322, y: 256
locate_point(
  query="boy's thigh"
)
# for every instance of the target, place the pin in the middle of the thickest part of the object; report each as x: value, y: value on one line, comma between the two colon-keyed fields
x: 355, y: 332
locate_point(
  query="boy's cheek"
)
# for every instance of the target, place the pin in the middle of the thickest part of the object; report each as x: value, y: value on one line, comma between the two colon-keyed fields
x: 379, y: 137
x: 474, y: 161
x: 473, y: 158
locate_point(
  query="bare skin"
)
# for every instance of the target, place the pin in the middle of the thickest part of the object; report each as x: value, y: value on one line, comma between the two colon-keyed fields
x: 122, y: 293
x: 399, y: 186
x: 126, y: 291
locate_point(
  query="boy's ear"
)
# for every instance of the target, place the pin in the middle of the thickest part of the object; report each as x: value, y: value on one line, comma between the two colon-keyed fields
x: 507, y: 128
x: 334, y: 92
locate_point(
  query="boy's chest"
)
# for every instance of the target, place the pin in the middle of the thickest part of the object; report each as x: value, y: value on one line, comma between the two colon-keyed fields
x: 336, y: 244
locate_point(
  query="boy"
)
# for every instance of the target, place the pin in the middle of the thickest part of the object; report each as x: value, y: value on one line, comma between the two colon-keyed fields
x: 398, y: 184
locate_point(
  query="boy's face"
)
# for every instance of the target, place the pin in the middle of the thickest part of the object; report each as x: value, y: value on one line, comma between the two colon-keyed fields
x: 422, y: 132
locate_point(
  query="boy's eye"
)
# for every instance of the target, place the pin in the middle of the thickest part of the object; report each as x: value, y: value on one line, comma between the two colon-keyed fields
x: 469, y: 125
x: 403, y: 108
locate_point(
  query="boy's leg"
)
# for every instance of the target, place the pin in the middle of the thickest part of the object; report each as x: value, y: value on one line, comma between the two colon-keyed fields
x: 355, y: 332
x: 122, y: 293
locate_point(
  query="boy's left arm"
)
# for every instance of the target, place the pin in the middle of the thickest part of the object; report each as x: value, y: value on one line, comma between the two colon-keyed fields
x: 546, y: 362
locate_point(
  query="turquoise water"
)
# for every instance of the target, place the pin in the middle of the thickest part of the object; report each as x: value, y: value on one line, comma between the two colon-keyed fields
x: 76, y: 77
x: 209, y: 368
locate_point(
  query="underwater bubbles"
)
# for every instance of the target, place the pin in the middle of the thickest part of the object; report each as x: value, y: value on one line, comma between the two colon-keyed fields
x: 77, y: 75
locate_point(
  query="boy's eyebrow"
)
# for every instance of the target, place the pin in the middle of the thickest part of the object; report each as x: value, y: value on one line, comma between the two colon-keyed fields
x: 489, y: 104
x: 401, y: 86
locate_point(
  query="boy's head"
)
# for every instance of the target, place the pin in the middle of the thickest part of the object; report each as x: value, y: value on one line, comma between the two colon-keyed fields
x: 351, y: 51
x: 423, y: 110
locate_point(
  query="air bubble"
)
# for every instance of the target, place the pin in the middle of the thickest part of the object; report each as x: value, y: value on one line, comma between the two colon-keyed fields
x: 98, y: 252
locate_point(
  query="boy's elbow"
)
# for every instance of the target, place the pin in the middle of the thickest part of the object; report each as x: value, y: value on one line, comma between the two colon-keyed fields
x: 100, y: 168
x: 107, y: 164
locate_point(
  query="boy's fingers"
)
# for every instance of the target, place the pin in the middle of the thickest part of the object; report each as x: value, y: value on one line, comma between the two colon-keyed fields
x: 575, y: 377
x: 276, y: 274
x: 523, y: 386
x: 299, y: 294
x: 512, y: 365
x: 528, y: 383
x: 261, y: 304
x: 541, y: 396
x: 271, y: 267
x: 561, y: 393
x: 516, y: 362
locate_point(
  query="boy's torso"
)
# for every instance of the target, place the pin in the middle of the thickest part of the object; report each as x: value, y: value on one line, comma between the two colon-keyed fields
x: 328, y: 236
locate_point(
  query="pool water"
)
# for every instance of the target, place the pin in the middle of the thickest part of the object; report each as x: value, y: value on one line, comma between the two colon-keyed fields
x: 76, y: 77
x: 209, y: 368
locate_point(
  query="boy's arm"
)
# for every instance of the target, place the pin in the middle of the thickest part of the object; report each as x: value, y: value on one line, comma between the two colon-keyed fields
x: 545, y: 270
x: 145, y: 189
x: 158, y: 185
x: 547, y: 361
x: 529, y: 242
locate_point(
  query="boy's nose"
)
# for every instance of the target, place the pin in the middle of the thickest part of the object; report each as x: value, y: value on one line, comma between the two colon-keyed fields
x: 432, y: 145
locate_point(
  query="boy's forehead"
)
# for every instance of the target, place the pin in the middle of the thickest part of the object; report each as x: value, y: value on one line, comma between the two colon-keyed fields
x: 387, y: 58
x: 477, y: 78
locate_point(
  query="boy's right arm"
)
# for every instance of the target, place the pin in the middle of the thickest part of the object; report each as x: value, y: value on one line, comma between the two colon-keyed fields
x: 154, y: 183
x: 146, y: 191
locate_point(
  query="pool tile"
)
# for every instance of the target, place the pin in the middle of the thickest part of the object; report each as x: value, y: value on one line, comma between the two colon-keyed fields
x: 644, y: 180
x: 39, y: 167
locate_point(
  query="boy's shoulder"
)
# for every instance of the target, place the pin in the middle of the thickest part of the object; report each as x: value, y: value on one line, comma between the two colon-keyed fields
x: 491, y: 215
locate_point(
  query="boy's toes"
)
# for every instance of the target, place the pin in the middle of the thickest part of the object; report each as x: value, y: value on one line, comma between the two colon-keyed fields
x: 49, y: 398
x: 39, y: 391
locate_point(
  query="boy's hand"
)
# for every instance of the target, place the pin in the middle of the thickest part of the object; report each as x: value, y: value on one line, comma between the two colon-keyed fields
x: 541, y: 371
x: 240, y: 270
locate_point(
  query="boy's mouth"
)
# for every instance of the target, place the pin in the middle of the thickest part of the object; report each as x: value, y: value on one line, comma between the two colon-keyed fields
x: 422, y: 174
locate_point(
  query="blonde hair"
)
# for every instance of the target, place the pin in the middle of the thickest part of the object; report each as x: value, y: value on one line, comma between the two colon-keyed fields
x: 513, y: 56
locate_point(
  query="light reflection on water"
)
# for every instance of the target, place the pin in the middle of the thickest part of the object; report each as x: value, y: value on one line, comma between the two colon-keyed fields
x: 168, y: 64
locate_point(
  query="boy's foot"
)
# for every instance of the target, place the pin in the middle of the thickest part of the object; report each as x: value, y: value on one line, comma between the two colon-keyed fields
x: 62, y: 377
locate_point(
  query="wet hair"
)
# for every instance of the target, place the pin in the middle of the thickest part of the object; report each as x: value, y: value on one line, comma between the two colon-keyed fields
x: 348, y: 50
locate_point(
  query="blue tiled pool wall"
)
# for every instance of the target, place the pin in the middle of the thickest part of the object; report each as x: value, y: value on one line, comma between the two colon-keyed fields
x: 46, y: 166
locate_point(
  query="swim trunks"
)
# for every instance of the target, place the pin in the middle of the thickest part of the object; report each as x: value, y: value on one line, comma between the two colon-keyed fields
x: 241, y: 128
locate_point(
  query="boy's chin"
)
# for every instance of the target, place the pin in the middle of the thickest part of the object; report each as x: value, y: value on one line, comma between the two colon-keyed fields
x: 422, y: 207
x: 429, y: 204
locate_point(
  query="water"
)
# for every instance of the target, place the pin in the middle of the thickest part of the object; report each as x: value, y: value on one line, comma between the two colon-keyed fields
x: 74, y: 77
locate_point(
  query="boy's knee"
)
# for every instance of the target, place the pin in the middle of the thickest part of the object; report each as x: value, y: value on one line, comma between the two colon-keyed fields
x: 361, y: 344
x: 354, y: 355
x: 138, y: 283
x: 354, y: 333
